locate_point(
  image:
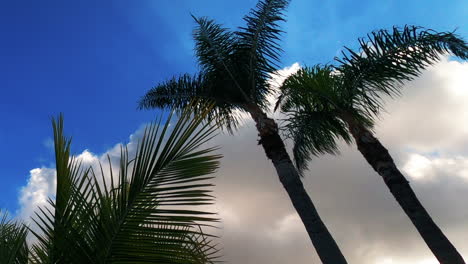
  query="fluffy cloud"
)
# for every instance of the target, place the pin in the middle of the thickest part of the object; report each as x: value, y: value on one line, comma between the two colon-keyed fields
x: 40, y: 186
x: 425, y: 130
x: 431, y: 115
x: 277, y: 79
x: 421, y: 167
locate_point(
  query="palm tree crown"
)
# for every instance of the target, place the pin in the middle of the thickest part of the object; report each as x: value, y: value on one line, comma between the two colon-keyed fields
x: 234, y: 66
x: 318, y: 100
x: 327, y: 103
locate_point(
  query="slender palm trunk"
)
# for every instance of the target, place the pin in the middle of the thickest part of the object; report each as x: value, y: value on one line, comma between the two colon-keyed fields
x: 379, y: 158
x: 326, y: 247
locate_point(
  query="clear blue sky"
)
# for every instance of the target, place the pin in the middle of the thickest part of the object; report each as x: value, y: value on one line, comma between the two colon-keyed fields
x: 92, y: 60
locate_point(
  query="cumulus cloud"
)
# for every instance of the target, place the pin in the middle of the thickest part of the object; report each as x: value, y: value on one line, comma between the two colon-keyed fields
x: 421, y: 167
x: 40, y: 186
x: 425, y: 131
x: 431, y: 115
x: 276, y: 80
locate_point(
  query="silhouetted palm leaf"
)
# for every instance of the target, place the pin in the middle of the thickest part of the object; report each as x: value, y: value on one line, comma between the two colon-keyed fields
x: 389, y: 58
x: 13, y: 246
x: 145, y: 214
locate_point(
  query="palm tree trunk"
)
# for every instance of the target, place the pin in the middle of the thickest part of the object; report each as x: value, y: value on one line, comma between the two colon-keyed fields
x: 326, y: 247
x: 379, y: 158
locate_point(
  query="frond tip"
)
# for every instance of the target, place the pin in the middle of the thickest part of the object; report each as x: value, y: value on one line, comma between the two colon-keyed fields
x: 388, y: 58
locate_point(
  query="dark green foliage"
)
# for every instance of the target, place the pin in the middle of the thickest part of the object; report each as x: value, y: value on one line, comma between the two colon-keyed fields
x: 313, y: 99
x: 319, y: 101
x: 389, y: 58
x: 13, y: 246
x: 146, y: 213
x: 234, y: 66
x: 258, y: 51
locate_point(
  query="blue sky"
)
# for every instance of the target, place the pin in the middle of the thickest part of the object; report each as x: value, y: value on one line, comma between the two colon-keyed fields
x: 92, y: 60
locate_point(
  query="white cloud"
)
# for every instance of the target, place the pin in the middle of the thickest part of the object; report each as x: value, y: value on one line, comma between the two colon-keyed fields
x: 285, y: 228
x: 40, y: 186
x: 392, y: 261
x: 87, y: 157
x: 276, y: 80
x: 432, y: 112
x: 421, y: 167
x: 418, y: 166
x: 428, y: 261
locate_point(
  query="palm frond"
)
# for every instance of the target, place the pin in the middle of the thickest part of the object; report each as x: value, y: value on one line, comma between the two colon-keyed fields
x: 197, y: 92
x: 389, y: 58
x: 13, y: 245
x: 314, y: 87
x: 177, y: 93
x: 67, y: 225
x: 168, y: 172
x: 313, y: 102
x: 258, y: 50
x: 314, y: 134
x: 143, y: 215
x: 214, y: 46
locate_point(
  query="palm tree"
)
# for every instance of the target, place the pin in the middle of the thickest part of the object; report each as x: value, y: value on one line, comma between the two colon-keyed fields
x: 145, y: 214
x: 234, y: 73
x: 326, y: 103
x: 13, y: 246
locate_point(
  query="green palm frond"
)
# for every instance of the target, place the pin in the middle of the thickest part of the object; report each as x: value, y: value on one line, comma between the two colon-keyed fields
x: 259, y: 38
x: 389, y: 58
x: 178, y: 93
x: 214, y: 46
x: 313, y: 102
x: 313, y: 134
x: 13, y: 245
x: 258, y: 50
x: 67, y: 225
x: 312, y: 87
x: 143, y: 215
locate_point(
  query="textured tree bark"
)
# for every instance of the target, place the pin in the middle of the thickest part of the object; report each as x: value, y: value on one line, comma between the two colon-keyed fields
x: 379, y: 158
x: 325, y: 245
